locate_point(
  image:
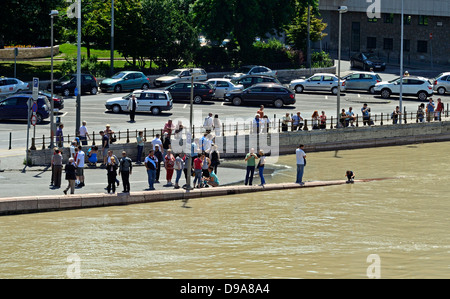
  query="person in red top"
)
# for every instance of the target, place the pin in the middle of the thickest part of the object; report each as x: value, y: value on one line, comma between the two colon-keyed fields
x: 198, y: 163
x: 169, y: 162
x: 439, y: 109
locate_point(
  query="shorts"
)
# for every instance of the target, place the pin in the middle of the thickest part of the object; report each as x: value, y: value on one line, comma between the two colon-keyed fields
x: 80, y: 171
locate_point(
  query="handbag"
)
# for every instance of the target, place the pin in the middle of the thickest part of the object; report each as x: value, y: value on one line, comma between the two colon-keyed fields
x: 113, y: 139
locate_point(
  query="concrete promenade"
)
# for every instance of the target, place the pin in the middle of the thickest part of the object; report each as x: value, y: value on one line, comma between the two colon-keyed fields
x: 37, y: 204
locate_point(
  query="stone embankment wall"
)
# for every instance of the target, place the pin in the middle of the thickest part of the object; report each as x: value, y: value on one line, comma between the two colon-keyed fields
x: 28, y: 53
x: 286, y: 142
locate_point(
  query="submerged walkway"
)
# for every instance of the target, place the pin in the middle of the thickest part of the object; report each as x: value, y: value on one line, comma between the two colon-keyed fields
x: 37, y: 204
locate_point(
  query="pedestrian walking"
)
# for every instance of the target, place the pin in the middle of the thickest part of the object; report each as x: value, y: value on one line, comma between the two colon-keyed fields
x: 111, y: 173
x: 208, y: 123
x: 150, y: 166
x: 169, y: 163
x: 71, y: 176
x: 301, y: 161
x: 261, y: 163
x: 125, y: 170
x: 80, y: 161
x: 59, y: 136
x: 205, y: 144
x: 56, y: 169
x: 105, y: 146
x: 132, y: 107
x: 439, y: 109
x: 430, y: 110
x: 178, y: 166
x: 140, y: 139
x: 158, y: 158
x: 215, y: 158
x: 84, y: 135
x: 198, y: 163
x: 217, y: 125
x: 250, y: 158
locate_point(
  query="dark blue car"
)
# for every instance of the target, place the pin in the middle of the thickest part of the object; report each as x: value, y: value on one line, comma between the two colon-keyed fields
x: 16, y: 107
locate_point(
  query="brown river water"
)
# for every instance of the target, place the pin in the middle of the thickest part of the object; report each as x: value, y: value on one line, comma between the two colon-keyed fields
x: 396, y: 228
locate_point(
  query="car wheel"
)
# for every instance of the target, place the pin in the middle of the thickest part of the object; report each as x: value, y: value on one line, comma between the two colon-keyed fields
x: 237, y: 101
x: 278, y: 103
x: 145, y: 86
x: 94, y: 90
x: 441, y: 90
x: 298, y: 89
x: 372, y: 89
x: 198, y: 100
x: 334, y: 90
x: 116, y: 109
x: 66, y: 92
x: 385, y: 93
x: 422, y: 95
x: 155, y: 110
x: 117, y: 88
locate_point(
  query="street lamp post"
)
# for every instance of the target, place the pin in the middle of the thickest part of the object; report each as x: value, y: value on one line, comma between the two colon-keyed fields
x: 401, y: 67
x: 53, y: 13
x: 112, y: 39
x: 78, y: 105
x: 341, y: 10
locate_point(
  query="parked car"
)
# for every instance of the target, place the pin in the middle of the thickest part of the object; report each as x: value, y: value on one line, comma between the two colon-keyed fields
x: 442, y: 83
x: 249, y: 80
x: 366, y: 61
x: 362, y: 81
x: 66, y: 85
x: 262, y: 93
x: 150, y: 100
x: 223, y: 85
x: 58, y: 100
x: 126, y: 80
x: 16, y: 107
x: 317, y: 82
x: 182, y: 92
x: 251, y: 70
x: 412, y: 86
x: 180, y: 75
x: 9, y: 86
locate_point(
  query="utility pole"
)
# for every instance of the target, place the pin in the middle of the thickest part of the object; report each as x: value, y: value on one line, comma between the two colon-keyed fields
x: 112, y: 38
x: 78, y: 93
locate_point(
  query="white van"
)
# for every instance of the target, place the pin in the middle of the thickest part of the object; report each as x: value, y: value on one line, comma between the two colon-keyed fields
x: 149, y: 100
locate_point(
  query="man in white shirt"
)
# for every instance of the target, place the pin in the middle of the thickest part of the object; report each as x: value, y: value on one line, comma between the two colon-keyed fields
x: 208, y: 124
x: 80, y: 166
x: 301, y: 161
x: 156, y: 141
x: 205, y: 143
x: 84, y: 135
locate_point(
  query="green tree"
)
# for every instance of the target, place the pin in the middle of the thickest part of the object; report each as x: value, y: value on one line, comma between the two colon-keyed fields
x: 26, y: 22
x: 297, y: 31
x: 242, y: 21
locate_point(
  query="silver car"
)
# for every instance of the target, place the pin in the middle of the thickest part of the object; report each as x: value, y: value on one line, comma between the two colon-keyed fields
x: 180, y: 75
x: 317, y: 82
x: 11, y: 85
x: 223, y: 86
x: 441, y: 83
x: 362, y: 81
x: 252, y: 70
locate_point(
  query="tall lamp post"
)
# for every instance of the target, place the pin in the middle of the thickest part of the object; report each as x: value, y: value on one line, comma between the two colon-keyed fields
x: 112, y: 39
x: 401, y: 67
x: 78, y: 105
x: 53, y: 13
x: 341, y: 10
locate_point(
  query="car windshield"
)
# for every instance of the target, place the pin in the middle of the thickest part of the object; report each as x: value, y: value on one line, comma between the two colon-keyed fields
x: 127, y: 96
x: 395, y: 80
x: 370, y: 56
x: 174, y: 73
x: 243, y: 69
x: 66, y: 78
x: 118, y: 75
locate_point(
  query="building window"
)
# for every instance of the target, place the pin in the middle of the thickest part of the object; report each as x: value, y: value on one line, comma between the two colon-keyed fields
x: 407, y: 20
x: 372, y: 20
x: 371, y: 42
x: 422, y: 46
x: 389, y: 18
x: 406, y: 45
x: 423, y: 20
x: 388, y: 44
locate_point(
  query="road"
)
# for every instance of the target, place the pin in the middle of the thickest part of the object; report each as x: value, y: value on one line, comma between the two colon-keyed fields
x: 94, y: 113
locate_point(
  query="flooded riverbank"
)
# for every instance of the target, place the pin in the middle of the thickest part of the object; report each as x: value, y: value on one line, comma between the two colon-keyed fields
x: 326, y: 232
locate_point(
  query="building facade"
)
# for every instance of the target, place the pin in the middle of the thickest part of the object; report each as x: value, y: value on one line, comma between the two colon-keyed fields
x: 426, y: 29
